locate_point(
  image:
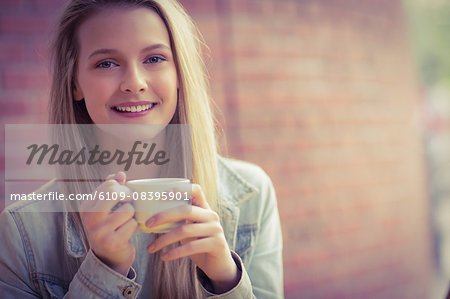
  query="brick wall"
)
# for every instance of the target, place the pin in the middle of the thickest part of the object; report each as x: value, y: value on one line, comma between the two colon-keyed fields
x: 24, y: 80
x: 322, y: 95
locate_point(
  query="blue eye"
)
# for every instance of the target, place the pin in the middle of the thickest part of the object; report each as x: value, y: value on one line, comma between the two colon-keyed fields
x: 155, y: 59
x: 106, y: 65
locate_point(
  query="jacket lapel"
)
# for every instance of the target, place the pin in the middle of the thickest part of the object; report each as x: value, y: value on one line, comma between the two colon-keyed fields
x: 73, y: 242
x: 233, y: 191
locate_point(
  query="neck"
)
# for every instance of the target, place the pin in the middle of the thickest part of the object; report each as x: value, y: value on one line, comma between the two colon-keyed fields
x: 138, y: 155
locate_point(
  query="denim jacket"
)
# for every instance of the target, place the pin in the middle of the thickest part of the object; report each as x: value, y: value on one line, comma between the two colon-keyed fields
x: 42, y: 255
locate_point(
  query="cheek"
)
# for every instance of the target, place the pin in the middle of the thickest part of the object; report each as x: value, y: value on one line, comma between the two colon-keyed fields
x: 166, y: 86
x: 97, y: 89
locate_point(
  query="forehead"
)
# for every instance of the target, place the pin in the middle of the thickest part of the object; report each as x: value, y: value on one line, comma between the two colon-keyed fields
x: 119, y: 27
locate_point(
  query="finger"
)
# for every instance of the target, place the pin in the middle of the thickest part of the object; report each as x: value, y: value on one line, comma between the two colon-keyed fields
x: 91, y: 220
x: 108, y: 222
x: 183, y: 212
x: 184, y: 189
x: 112, y: 184
x: 85, y: 206
x: 119, y: 177
x: 113, y: 191
x: 110, y: 177
x: 90, y: 205
x: 183, y: 232
x: 115, y: 240
x: 108, y: 197
x: 195, y: 247
x: 120, y: 216
x: 127, y: 230
x: 198, y: 197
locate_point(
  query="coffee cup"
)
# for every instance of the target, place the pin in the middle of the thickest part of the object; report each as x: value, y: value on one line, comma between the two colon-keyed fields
x: 151, y: 196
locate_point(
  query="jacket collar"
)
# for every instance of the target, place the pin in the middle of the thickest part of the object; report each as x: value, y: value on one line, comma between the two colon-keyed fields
x: 233, y: 188
x: 233, y: 191
x: 73, y: 241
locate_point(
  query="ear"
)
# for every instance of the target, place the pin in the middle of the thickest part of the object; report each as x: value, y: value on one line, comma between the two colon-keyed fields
x: 77, y: 93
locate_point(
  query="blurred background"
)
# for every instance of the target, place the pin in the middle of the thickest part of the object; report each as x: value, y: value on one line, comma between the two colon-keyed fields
x: 344, y: 103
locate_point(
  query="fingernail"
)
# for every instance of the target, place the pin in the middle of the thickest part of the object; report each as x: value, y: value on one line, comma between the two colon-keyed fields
x: 150, y: 222
x: 151, y: 247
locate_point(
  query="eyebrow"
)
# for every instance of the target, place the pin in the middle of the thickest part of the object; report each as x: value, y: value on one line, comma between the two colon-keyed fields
x: 113, y: 51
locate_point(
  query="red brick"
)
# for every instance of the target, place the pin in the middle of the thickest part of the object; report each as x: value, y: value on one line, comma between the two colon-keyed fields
x: 25, y: 25
x: 10, y: 4
x: 14, y: 108
x: 11, y: 52
x: 22, y: 79
x: 49, y: 6
x: 234, y: 6
x: 195, y: 7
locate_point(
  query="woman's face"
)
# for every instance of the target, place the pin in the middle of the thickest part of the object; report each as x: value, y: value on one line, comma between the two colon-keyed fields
x: 126, y: 71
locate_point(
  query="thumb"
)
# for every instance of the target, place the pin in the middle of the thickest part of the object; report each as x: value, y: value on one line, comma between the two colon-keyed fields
x: 120, y: 177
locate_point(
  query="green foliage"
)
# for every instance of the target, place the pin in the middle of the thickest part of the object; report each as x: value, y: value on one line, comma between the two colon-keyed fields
x: 430, y: 30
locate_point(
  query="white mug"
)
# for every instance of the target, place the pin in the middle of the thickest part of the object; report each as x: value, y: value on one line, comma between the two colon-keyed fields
x: 151, y: 196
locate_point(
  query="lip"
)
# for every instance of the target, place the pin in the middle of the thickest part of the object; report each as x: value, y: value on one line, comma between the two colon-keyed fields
x: 133, y: 104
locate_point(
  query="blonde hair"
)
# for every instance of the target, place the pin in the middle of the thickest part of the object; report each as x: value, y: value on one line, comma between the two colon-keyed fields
x: 175, y: 279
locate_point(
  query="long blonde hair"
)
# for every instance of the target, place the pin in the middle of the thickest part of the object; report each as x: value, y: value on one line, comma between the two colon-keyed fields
x: 175, y: 279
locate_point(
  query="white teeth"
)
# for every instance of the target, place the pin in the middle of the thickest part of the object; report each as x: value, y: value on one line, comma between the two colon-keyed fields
x: 138, y: 108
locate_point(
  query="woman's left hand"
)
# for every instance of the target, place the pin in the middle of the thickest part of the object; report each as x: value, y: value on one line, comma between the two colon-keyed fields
x: 202, y: 239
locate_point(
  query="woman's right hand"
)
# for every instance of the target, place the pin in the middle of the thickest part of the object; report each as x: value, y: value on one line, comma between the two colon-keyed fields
x: 109, y: 232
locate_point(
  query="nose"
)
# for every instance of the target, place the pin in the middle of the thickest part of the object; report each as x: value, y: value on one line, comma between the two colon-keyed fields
x: 133, y: 81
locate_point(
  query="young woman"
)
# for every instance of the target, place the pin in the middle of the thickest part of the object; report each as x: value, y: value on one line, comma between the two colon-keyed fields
x: 139, y: 62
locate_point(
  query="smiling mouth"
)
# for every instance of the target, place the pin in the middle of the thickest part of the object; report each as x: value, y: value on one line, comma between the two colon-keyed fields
x: 133, y: 108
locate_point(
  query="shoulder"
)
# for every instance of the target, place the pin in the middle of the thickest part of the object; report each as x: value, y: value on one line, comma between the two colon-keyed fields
x: 33, y: 244
x: 32, y: 205
x: 245, y: 172
x: 243, y: 181
x: 26, y: 220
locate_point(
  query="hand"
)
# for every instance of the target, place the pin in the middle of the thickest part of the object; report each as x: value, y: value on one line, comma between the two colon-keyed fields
x: 108, y: 232
x: 202, y: 239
